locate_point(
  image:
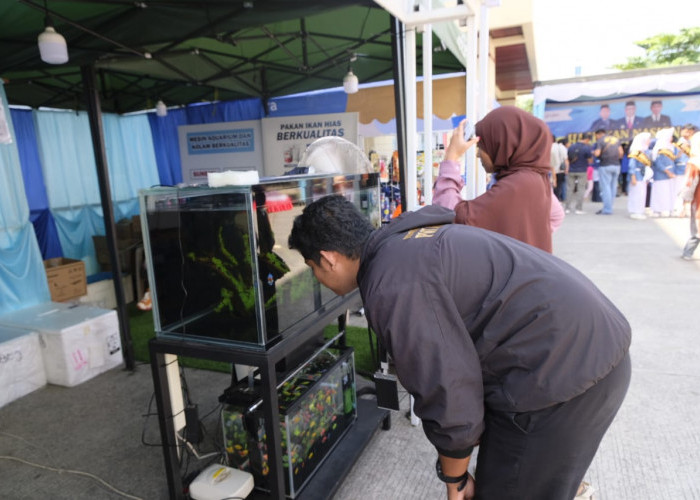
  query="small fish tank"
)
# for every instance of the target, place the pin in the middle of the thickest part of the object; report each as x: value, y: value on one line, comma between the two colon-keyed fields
x: 219, y: 267
x: 317, y: 404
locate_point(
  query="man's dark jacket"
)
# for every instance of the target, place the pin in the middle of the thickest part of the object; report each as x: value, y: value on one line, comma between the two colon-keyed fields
x: 474, y: 319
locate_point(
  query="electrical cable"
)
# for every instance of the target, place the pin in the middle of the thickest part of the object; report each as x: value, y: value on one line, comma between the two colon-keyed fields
x: 217, y: 407
x: 375, y: 361
x: 69, y: 471
x: 194, y: 451
x: 146, y: 416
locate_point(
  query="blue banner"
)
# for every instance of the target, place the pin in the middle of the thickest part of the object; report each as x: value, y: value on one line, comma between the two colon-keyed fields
x: 624, y: 117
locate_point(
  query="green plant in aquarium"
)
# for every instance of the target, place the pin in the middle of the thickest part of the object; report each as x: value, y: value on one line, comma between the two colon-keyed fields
x: 313, y: 408
x: 240, y: 295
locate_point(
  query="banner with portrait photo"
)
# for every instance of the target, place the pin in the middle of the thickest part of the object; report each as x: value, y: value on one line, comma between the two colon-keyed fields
x: 623, y: 117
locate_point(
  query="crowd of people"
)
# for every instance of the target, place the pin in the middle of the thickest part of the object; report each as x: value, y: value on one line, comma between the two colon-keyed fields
x: 657, y: 172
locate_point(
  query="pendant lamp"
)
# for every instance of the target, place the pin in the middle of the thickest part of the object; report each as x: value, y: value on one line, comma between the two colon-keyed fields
x: 350, y: 83
x: 161, y: 108
x: 52, y: 46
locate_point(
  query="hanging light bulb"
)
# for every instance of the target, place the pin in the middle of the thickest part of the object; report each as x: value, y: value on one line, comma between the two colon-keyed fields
x: 52, y: 46
x: 161, y: 108
x: 350, y: 83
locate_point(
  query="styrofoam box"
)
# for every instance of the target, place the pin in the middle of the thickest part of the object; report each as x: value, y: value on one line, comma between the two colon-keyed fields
x: 21, y: 365
x: 101, y: 293
x: 77, y: 342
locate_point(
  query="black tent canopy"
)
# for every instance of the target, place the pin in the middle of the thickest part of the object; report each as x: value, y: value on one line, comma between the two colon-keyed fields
x: 186, y: 51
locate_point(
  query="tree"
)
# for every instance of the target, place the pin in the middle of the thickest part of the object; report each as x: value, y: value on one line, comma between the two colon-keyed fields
x: 667, y: 49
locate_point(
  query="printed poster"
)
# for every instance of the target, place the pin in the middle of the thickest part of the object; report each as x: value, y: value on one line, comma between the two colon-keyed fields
x: 216, y: 147
x: 287, y: 138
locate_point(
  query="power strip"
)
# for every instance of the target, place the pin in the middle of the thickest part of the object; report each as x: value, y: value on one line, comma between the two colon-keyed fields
x: 177, y: 402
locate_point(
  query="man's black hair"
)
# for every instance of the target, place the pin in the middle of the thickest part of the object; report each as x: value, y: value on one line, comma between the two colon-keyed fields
x: 600, y: 131
x: 604, y: 106
x: 656, y: 102
x: 689, y: 126
x: 630, y: 103
x: 587, y: 135
x: 331, y: 223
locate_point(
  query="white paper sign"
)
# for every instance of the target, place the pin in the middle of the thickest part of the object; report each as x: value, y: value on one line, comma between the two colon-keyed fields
x: 286, y: 138
x: 217, y: 147
x: 5, y: 137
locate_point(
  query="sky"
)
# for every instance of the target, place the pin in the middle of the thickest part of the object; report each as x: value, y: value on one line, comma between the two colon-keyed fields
x: 595, y: 34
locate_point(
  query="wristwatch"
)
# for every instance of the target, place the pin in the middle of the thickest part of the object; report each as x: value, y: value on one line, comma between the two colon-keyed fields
x: 464, y: 478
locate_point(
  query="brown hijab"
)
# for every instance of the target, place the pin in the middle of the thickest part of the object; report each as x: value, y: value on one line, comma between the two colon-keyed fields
x: 514, y: 139
x: 520, y: 202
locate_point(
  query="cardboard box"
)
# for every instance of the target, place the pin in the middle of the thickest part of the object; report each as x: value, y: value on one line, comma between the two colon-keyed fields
x: 66, y: 278
x: 125, y: 249
x: 136, y: 228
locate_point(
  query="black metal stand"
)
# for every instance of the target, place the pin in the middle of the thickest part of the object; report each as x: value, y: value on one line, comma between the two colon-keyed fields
x: 341, y: 459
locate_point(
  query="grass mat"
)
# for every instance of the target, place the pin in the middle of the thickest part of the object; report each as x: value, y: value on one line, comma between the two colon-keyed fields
x: 142, y: 331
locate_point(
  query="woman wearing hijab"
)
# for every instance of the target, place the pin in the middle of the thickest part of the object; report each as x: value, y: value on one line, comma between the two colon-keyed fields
x: 639, y: 161
x: 663, y: 158
x: 514, y: 146
x: 693, y: 186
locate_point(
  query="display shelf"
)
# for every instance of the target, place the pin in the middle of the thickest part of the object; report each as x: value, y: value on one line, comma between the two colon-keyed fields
x: 347, y: 448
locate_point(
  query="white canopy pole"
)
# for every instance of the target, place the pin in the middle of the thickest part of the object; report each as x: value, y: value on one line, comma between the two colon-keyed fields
x: 483, y: 80
x: 411, y: 120
x: 428, y: 110
x: 471, y: 104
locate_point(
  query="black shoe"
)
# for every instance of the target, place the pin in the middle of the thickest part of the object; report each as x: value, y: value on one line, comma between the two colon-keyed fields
x: 599, y: 212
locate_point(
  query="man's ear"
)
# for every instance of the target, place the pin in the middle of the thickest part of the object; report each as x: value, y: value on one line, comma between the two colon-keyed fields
x: 330, y: 257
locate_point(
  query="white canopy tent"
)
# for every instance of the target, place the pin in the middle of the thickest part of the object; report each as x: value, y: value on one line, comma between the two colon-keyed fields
x: 424, y: 16
x: 660, y: 81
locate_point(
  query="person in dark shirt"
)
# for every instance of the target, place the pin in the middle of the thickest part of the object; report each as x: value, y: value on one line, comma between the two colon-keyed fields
x: 580, y: 157
x: 609, y: 150
x: 500, y: 343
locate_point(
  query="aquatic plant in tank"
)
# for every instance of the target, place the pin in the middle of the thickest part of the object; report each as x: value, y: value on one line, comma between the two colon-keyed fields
x: 316, y: 406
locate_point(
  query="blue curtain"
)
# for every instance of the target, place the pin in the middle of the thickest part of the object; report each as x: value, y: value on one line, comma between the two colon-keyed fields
x: 165, y: 141
x: 68, y: 165
x: 165, y: 135
x: 22, y: 277
x: 39, y: 213
x: 132, y: 161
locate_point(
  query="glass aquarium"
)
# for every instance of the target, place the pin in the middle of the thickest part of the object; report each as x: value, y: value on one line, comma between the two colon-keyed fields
x: 316, y: 406
x: 219, y: 265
